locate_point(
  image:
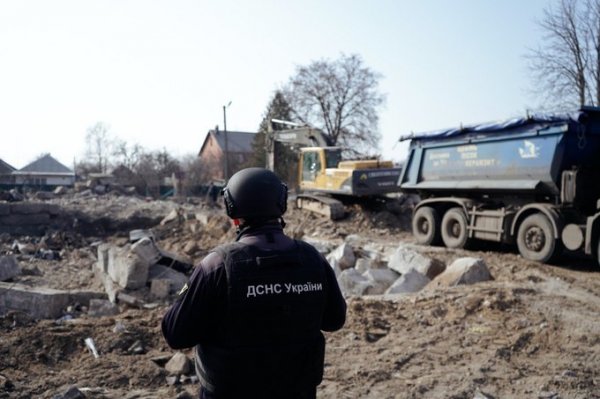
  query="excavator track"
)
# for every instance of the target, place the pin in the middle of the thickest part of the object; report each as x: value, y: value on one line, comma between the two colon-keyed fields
x: 321, y: 204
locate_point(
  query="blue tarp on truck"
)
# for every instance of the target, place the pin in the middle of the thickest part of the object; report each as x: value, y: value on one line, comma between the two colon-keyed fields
x: 523, y: 154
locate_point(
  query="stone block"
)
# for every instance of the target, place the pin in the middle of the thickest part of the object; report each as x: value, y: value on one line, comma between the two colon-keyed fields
x: 102, y: 307
x: 160, y: 288
x: 126, y: 268
x: 138, y: 234
x: 404, y: 259
x: 343, y: 255
x: 9, y: 268
x: 160, y: 272
x: 382, y: 279
x: 463, y: 271
x: 102, y: 263
x: 147, y: 250
x: 38, y: 303
x: 353, y: 283
x: 178, y: 365
x: 411, y: 281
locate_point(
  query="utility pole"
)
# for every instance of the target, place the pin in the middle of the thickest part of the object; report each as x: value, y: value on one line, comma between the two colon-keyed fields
x: 226, y: 143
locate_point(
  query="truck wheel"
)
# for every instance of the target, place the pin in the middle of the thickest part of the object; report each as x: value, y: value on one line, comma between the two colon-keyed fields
x: 535, y: 239
x: 426, y: 226
x: 454, y: 228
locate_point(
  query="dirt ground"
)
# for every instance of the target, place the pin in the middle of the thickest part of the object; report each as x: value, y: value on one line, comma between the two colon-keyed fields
x: 532, y: 332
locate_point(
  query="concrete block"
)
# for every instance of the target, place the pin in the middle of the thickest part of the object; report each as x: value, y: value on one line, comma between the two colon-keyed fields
x: 203, y: 217
x: 102, y: 307
x: 147, y: 249
x: 126, y: 268
x: 382, y: 279
x: 411, y: 281
x: 9, y: 268
x: 178, y: 365
x: 102, y: 263
x: 38, y: 303
x: 138, y: 234
x: 160, y: 272
x: 353, y: 283
x: 4, y: 209
x: 160, y: 288
x: 175, y: 261
x: 463, y: 271
x: 405, y: 259
x: 343, y: 255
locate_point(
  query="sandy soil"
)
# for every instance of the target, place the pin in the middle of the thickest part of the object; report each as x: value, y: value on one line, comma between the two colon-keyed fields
x: 533, y: 332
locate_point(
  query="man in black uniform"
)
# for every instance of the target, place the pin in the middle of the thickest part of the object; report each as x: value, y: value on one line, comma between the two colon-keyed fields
x: 254, y: 309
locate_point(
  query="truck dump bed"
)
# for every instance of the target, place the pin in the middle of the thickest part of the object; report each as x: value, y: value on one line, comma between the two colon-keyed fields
x: 518, y: 155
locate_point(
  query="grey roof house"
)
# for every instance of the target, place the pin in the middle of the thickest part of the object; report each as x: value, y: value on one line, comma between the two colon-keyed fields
x: 44, y: 171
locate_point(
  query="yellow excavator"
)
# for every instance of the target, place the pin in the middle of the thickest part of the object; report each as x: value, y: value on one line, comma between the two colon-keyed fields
x: 324, y: 178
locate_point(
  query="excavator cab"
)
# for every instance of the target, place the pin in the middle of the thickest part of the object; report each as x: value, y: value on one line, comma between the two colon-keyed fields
x: 316, y: 168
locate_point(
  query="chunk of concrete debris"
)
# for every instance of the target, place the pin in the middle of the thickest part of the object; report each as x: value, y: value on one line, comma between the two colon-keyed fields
x: 23, y: 248
x: 126, y: 268
x: 60, y: 190
x: 178, y: 365
x: 160, y: 288
x: 409, y: 282
x: 176, y: 279
x: 353, y: 283
x: 72, y: 393
x: 174, y: 216
x: 147, y: 249
x: 191, y: 247
x: 382, y: 279
x: 102, y: 307
x: 38, y: 303
x: 404, y: 259
x: 324, y: 247
x: 343, y: 256
x: 9, y: 268
x: 463, y: 271
x: 138, y: 234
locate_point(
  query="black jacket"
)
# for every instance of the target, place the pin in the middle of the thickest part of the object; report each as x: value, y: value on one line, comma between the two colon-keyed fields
x: 201, y: 316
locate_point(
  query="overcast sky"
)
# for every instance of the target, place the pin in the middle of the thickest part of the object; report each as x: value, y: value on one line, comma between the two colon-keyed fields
x: 158, y: 72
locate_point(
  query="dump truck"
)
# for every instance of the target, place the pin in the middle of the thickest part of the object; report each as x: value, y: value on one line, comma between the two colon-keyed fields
x: 324, y: 178
x: 533, y: 181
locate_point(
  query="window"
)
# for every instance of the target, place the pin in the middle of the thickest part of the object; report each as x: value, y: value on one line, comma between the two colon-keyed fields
x: 311, y: 165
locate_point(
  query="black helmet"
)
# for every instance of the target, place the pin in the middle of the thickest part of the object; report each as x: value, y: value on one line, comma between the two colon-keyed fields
x: 255, y: 194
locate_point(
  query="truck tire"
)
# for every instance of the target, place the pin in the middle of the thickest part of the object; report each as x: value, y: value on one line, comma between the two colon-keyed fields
x: 535, y: 239
x: 426, y: 226
x: 454, y: 228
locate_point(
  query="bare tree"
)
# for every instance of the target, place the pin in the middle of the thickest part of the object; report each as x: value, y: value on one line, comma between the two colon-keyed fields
x: 98, y: 146
x: 341, y: 98
x: 126, y: 154
x: 566, y: 66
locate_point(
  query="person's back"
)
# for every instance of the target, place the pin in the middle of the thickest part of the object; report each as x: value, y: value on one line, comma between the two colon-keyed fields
x: 255, y: 308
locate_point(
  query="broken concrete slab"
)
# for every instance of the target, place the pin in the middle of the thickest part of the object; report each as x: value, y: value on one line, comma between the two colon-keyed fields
x: 176, y: 262
x: 9, y: 267
x: 404, y: 259
x: 409, y: 282
x: 353, y: 283
x: 38, y: 303
x: 178, y: 365
x: 463, y: 271
x: 324, y: 247
x: 343, y: 255
x: 138, y: 234
x: 160, y: 272
x: 382, y: 279
x: 147, y: 249
x: 126, y: 268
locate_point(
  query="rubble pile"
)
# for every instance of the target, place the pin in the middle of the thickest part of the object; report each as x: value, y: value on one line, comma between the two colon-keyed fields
x: 81, y: 304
